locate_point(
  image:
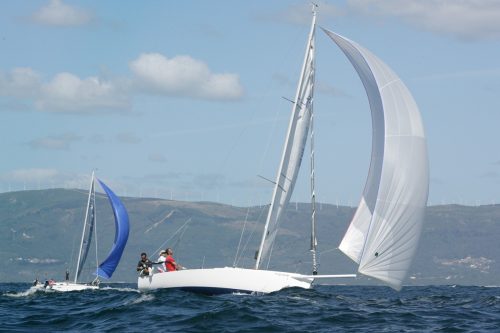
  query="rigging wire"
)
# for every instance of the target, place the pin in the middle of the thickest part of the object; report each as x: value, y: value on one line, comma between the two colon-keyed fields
x: 251, y: 234
x: 75, y: 235
x: 173, y: 235
x: 178, y: 241
x: 271, y: 249
x: 241, y: 237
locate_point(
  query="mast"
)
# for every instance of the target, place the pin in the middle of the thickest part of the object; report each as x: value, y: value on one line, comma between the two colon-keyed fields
x: 293, y: 150
x: 314, y: 241
x: 95, y: 232
x: 84, y: 226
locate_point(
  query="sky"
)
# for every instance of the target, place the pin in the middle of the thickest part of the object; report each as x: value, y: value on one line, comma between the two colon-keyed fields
x: 187, y: 100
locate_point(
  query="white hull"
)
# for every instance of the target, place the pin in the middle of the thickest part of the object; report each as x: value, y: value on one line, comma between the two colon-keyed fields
x: 225, y: 280
x: 66, y: 286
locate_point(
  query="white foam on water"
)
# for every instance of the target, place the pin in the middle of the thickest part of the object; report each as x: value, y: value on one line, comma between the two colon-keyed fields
x: 142, y: 298
x: 26, y: 293
x: 120, y: 289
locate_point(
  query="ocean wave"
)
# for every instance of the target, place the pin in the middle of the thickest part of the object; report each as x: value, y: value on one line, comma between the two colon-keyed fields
x: 120, y: 307
x: 142, y: 298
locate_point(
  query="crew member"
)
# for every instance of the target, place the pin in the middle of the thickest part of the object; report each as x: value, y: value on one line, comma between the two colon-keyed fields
x: 144, y: 266
x: 170, y: 263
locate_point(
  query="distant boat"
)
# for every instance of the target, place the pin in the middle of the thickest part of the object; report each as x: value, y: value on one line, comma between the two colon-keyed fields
x: 106, y: 268
x: 384, y: 233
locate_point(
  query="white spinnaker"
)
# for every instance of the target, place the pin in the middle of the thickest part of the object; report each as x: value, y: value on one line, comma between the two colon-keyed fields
x: 384, y: 233
x: 293, y: 151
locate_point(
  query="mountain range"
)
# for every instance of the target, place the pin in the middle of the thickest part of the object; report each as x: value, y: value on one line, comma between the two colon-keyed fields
x: 40, y: 232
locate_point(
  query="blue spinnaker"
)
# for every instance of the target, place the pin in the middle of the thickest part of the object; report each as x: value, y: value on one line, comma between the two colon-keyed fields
x: 108, y: 266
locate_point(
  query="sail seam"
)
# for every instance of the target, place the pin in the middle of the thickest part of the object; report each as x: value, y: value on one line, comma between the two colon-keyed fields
x: 389, y: 83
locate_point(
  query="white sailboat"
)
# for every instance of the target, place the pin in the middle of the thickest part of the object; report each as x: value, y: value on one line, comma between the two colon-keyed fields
x: 106, y: 268
x: 384, y: 233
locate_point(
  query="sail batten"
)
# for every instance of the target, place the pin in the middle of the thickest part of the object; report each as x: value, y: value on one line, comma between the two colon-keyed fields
x: 384, y: 232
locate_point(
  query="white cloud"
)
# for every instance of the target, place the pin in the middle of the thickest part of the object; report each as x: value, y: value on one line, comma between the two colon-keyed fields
x: 128, y: 138
x: 31, y: 175
x: 45, y: 177
x: 68, y: 93
x: 71, y: 180
x: 183, y: 76
x: 157, y: 157
x: 209, y: 181
x: 465, y: 19
x: 56, y: 142
x: 19, y: 82
x: 469, y: 74
x: 490, y: 175
x: 57, y: 13
x: 98, y: 139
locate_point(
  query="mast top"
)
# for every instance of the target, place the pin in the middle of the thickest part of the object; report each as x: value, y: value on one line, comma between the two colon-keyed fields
x: 313, y: 7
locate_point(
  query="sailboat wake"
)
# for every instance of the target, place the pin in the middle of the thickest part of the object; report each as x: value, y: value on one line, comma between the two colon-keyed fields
x: 31, y: 291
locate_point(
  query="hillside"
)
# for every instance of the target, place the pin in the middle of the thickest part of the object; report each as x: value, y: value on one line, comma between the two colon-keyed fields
x: 40, y: 232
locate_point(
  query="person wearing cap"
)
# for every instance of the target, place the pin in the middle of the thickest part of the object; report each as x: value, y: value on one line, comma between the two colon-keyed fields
x: 161, y: 260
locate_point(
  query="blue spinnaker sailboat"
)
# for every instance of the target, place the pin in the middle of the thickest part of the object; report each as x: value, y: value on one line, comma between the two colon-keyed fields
x: 108, y: 266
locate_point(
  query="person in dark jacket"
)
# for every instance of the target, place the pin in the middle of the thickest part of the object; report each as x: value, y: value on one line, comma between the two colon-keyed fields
x: 145, y: 266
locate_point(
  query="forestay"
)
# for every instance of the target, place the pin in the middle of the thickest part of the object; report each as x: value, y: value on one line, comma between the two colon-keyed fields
x: 384, y: 233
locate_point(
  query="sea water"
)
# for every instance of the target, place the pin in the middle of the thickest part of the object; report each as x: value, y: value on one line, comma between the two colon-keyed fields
x: 122, y: 308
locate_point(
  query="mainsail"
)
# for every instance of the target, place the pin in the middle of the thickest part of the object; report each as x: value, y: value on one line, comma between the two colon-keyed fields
x: 293, y: 151
x: 88, y: 230
x: 383, y: 235
x: 108, y: 266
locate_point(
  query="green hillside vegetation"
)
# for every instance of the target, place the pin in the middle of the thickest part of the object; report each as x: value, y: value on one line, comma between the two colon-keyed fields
x: 40, y: 233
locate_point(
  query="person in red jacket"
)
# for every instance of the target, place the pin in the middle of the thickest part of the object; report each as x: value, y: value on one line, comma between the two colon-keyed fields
x: 170, y: 263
